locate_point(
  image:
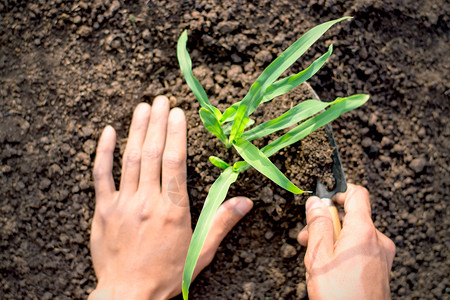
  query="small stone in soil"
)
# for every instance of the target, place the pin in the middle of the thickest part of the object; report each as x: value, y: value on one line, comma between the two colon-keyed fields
x: 398, y: 149
x: 293, y: 233
x: 263, y: 57
x: 301, y: 290
x: 89, y: 146
x: 249, y: 290
x: 84, y: 31
x: 146, y: 35
x: 418, y: 164
x: 288, y: 251
x: 268, y: 235
x: 422, y: 133
x: 87, y: 131
x: 44, y: 184
x: 366, y: 142
x: 386, y: 142
x: 266, y: 195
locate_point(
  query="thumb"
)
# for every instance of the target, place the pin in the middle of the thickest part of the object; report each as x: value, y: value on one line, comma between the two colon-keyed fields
x: 320, y: 231
x: 228, y: 214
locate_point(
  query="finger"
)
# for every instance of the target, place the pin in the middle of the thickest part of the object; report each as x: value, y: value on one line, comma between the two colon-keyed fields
x: 320, y: 232
x: 154, y: 146
x: 103, y: 165
x: 356, y: 202
x: 302, y: 237
x: 132, y: 156
x: 174, y: 160
x: 227, y: 216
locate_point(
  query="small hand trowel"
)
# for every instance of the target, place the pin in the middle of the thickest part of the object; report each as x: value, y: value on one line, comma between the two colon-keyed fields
x: 340, y: 183
x: 338, y: 174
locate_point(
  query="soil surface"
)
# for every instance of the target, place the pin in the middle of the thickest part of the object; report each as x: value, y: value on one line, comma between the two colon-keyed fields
x: 68, y: 69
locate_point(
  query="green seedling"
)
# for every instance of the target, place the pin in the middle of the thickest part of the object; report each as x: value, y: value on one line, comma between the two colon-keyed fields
x: 233, y: 127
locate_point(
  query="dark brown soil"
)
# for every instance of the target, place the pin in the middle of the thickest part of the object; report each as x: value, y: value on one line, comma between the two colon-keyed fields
x: 67, y: 70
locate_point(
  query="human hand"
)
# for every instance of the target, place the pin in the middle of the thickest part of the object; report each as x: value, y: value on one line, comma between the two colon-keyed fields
x: 357, y: 266
x: 140, y: 234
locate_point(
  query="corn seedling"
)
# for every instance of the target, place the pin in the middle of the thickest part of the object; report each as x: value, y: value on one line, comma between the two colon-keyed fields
x: 233, y: 127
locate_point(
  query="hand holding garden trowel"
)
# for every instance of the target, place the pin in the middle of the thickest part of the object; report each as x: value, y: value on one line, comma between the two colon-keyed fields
x: 339, y: 187
x: 339, y: 177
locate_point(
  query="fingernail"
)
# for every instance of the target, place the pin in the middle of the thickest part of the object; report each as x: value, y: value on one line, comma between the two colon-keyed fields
x: 313, y: 202
x: 176, y: 114
x: 160, y: 101
x: 108, y: 129
x: 243, y: 206
x: 144, y: 107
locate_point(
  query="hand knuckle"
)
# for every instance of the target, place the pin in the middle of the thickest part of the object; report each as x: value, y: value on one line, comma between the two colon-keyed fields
x: 133, y: 157
x: 152, y: 152
x: 391, y: 246
x: 319, y: 218
x: 102, y: 213
x: 170, y: 218
x: 173, y: 160
x: 227, y: 224
x: 322, y: 221
x: 362, y: 191
x: 99, y: 173
x: 368, y: 232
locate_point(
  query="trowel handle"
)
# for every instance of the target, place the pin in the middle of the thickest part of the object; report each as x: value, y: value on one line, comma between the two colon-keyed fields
x: 335, y: 217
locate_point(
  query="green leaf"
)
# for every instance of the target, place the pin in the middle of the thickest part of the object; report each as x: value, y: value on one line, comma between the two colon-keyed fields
x: 227, y: 126
x: 252, y: 155
x: 230, y: 112
x: 216, y: 195
x: 296, y: 114
x: 218, y: 162
x: 186, y: 68
x: 239, y: 166
x: 340, y: 106
x: 241, y: 118
x: 284, y: 85
x: 213, y: 126
x: 272, y: 72
x: 237, y: 131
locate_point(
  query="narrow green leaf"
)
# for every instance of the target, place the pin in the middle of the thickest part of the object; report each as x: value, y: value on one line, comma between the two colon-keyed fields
x: 218, y: 162
x: 341, y: 106
x: 240, y: 120
x: 185, y: 63
x: 229, y: 113
x: 284, y: 85
x: 216, y: 195
x: 272, y: 72
x: 240, y: 165
x: 252, y: 155
x: 213, y: 126
x: 296, y: 114
x: 227, y: 126
x: 271, y: 149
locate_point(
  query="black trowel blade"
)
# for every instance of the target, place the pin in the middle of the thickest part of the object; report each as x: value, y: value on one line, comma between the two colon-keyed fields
x: 337, y: 170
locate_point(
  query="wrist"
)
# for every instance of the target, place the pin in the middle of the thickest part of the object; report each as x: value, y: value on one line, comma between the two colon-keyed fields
x: 114, y: 291
x: 132, y: 291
